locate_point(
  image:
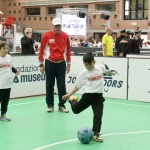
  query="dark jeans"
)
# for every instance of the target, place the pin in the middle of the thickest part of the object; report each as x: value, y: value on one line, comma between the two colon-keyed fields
x: 96, y: 101
x: 4, y: 99
x: 52, y: 71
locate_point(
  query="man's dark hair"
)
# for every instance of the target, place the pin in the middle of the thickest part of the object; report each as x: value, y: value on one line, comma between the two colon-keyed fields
x: 88, y: 58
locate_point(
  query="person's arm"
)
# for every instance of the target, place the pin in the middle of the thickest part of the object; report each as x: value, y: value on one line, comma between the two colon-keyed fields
x: 14, y: 70
x: 68, y: 56
x: 127, y: 50
x: 41, y: 53
x: 111, y: 72
x: 119, y: 51
x: 25, y: 41
x: 117, y: 43
x: 104, y: 46
x: 65, y: 97
x: 42, y: 48
x: 104, y: 50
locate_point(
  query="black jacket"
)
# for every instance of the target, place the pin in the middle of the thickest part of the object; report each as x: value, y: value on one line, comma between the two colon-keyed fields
x: 124, y: 46
x: 27, y: 46
x: 135, y: 45
x: 118, y: 41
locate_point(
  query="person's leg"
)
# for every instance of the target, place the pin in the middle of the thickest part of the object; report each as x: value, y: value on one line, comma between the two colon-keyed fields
x: 1, y: 95
x: 97, y: 107
x: 50, y: 72
x: 5, y: 100
x: 61, y: 84
x: 83, y: 103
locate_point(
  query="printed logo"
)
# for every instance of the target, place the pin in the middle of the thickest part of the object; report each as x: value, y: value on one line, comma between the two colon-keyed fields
x: 5, y: 65
x: 95, y: 77
x: 29, y: 74
x: 51, y: 40
x: 109, y: 81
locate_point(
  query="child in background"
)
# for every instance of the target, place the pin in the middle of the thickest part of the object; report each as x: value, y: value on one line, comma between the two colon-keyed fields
x: 91, y: 80
x: 6, y: 78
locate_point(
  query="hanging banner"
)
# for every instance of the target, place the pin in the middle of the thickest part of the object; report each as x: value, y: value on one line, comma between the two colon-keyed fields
x: 73, y: 25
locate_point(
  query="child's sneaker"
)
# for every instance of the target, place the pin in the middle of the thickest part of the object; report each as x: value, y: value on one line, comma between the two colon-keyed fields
x: 50, y: 109
x: 63, y: 109
x: 97, y: 138
x: 5, y: 118
x: 71, y: 98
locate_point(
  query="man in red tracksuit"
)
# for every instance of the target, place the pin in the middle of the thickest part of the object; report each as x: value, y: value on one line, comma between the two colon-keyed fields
x: 55, y: 45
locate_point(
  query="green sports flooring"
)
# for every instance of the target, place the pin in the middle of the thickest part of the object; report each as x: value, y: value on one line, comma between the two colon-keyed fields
x: 126, y: 126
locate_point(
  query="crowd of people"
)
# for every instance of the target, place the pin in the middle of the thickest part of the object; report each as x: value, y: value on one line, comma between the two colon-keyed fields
x: 90, y: 42
x: 127, y: 43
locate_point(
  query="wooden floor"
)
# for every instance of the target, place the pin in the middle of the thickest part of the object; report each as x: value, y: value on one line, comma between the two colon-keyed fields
x: 126, y: 126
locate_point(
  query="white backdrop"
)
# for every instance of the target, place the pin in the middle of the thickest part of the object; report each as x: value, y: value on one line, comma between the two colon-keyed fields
x: 73, y: 25
x: 30, y: 81
x: 139, y: 79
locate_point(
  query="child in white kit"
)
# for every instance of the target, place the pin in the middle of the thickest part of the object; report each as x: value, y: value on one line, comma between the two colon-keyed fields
x: 91, y: 80
x: 6, y: 78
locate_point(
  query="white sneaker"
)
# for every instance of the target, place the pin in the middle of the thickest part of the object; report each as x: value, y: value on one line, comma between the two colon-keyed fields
x: 97, y: 138
x: 50, y: 109
x: 5, y: 118
x: 63, y: 109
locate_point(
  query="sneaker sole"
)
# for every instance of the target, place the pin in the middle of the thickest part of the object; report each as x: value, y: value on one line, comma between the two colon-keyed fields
x: 5, y: 120
x: 50, y: 111
x: 63, y: 111
x: 98, y: 140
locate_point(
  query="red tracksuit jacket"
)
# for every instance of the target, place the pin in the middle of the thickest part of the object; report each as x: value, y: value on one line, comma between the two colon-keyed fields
x: 56, y: 45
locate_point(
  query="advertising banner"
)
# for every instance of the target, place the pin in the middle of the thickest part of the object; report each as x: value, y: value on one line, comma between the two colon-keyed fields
x: 73, y: 25
x: 30, y: 82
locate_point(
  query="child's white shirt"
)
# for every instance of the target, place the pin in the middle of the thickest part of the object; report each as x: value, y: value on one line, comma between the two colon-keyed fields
x: 91, y: 80
x: 6, y: 75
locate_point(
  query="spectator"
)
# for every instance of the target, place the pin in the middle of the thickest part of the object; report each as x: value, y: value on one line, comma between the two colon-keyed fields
x: 107, y: 42
x: 28, y: 45
x: 124, y: 45
x: 98, y: 43
x: 135, y: 43
x: 75, y: 43
x: 122, y: 35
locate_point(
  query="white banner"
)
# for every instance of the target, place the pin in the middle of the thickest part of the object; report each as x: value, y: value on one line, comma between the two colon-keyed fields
x: 30, y: 82
x: 114, y: 86
x: 139, y: 79
x: 73, y: 25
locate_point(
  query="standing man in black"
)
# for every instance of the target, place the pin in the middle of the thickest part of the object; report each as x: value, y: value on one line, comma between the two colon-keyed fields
x: 122, y: 35
x: 125, y: 45
x: 135, y: 43
x: 27, y: 43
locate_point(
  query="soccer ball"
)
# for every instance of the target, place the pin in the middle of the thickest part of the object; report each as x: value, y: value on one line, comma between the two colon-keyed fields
x: 85, y: 135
